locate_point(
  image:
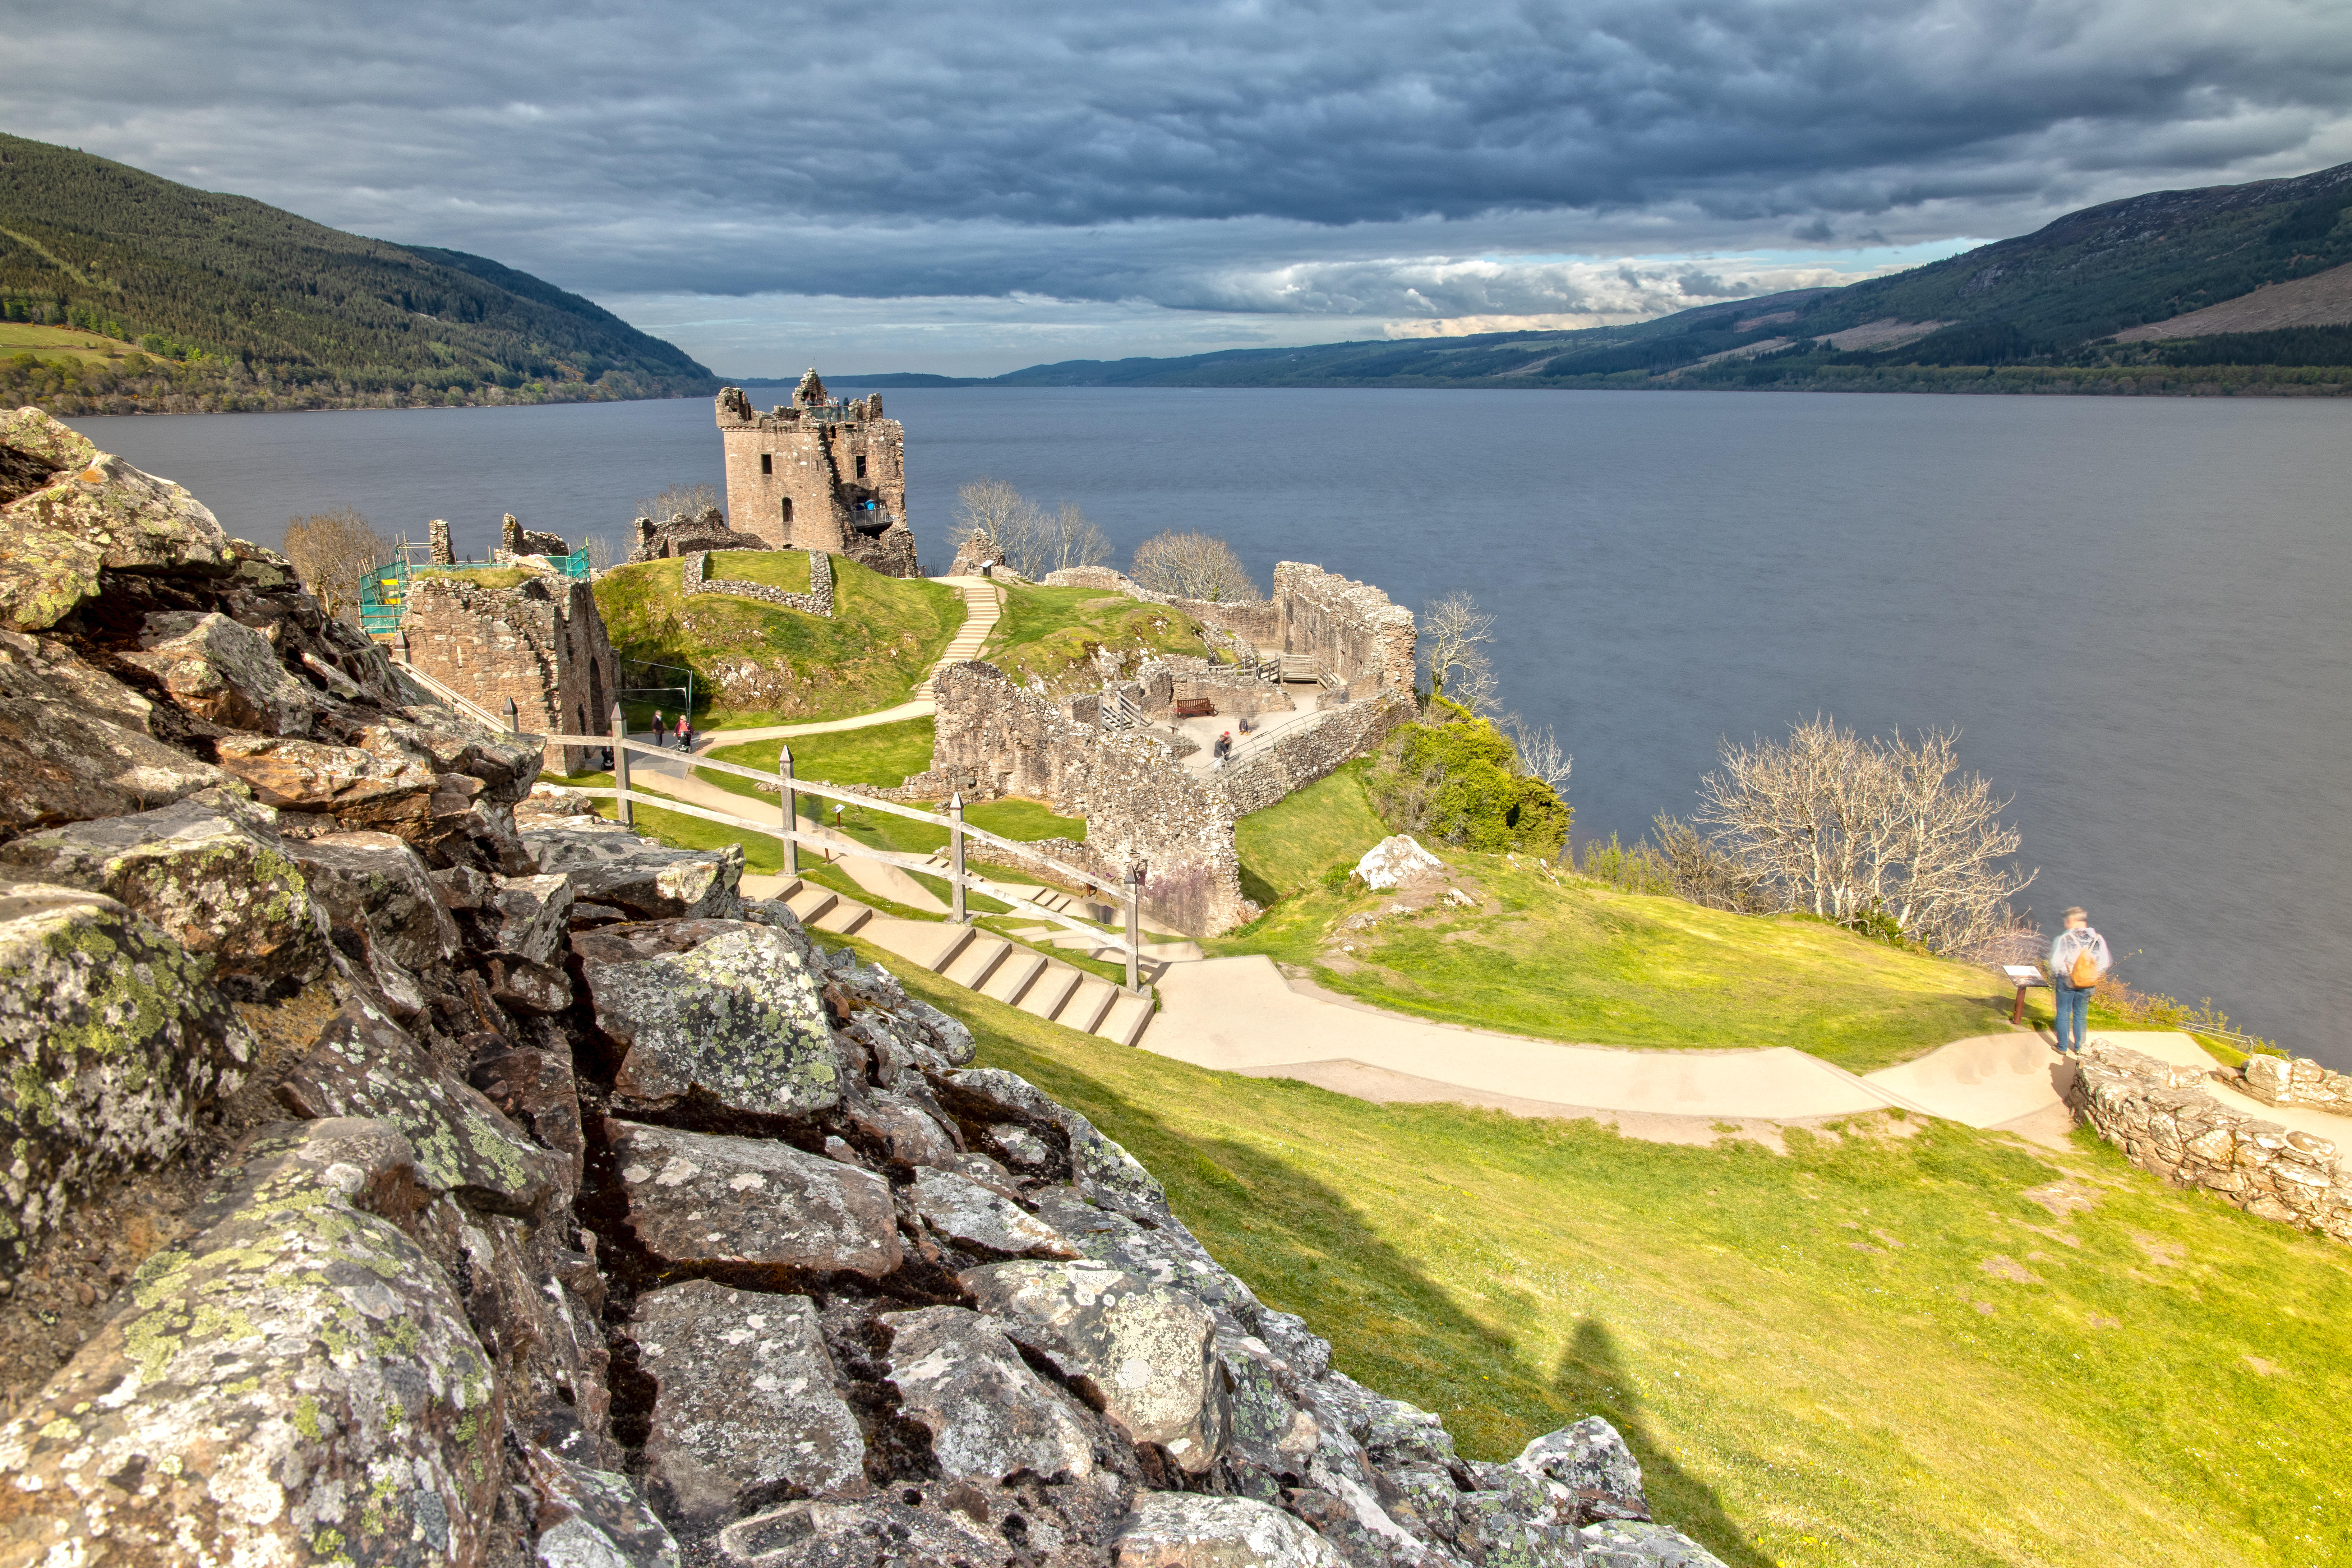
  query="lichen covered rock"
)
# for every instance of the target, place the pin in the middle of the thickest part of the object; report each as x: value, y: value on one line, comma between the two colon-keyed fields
x: 650, y: 881
x: 594, y: 1519
x: 76, y: 744
x: 111, y: 1040
x: 296, y: 1383
x: 700, y: 1200
x: 748, y: 1400
x: 989, y: 1416
x: 737, y: 1022
x: 1180, y: 1530
x: 224, y: 673
x: 972, y: 1216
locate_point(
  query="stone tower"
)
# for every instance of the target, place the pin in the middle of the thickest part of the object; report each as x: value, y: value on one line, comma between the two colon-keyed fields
x: 819, y: 474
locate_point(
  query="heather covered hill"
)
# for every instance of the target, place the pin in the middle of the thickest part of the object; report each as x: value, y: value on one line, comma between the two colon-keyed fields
x: 211, y: 301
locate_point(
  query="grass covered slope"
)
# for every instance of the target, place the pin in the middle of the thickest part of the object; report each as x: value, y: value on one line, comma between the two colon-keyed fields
x: 1047, y: 632
x: 882, y: 756
x: 1558, y: 957
x: 758, y: 663
x: 233, y: 303
x: 1938, y: 1349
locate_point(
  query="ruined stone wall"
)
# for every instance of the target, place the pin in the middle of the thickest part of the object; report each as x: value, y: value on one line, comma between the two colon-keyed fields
x: 997, y: 739
x: 796, y: 474
x: 1162, y: 683
x: 541, y: 643
x: 2276, y: 1081
x: 2167, y: 1126
x: 1351, y: 629
x: 683, y: 535
x: 818, y: 601
x: 1247, y: 624
x: 1262, y: 771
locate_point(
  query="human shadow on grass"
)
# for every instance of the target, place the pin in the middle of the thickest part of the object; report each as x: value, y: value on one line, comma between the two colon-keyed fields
x: 1593, y: 1373
x: 1301, y: 1246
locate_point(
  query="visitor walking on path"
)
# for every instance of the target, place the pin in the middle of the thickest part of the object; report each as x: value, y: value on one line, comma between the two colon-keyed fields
x: 685, y: 734
x: 2078, y: 960
x: 661, y: 730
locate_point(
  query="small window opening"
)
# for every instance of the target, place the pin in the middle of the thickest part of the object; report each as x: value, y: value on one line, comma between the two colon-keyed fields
x: 788, y: 509
x: 767, y: 462
x: 861, y: 465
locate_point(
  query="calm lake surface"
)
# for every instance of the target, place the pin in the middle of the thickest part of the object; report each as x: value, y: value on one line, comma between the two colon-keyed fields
x: 2135, y: 609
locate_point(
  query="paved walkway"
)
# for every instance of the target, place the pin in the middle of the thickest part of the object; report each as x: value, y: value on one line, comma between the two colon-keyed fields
x: 1242, y: 1014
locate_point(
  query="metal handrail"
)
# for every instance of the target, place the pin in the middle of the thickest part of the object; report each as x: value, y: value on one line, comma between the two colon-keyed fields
x: 960, y: 879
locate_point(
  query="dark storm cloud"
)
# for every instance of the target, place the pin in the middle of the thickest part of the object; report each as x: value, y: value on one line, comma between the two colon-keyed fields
x: 1271, y: 157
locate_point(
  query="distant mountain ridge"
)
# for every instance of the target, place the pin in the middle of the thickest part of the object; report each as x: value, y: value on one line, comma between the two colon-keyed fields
x: 232, y: 303
x: 2038, y: 312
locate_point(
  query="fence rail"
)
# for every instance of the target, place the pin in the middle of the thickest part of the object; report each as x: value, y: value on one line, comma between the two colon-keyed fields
x: 960, y: 881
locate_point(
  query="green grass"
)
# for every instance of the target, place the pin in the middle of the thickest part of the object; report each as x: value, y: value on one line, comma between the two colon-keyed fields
x: 882, y: 756
x: 783, y: 569
x: 1048, y: 632
x: 59, y: 343
x: 1820, y: 1358
x: 1562, y: 958
x: 1288, y: 845
x: 883, y: 634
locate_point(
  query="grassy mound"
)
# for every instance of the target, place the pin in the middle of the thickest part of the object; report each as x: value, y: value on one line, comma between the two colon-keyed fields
x: 1047, y: 632
x: 757, y: 663
x: 1562, y: 958
x: 1934, y: 1350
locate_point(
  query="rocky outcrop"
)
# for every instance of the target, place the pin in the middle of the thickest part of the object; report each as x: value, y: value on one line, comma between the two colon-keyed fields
x: 2165, y: 1125
x: 2299, y: 1080
x: 558, y: 1204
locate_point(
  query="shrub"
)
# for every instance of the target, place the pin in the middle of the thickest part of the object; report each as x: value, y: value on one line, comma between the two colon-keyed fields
x: 1458, y: 781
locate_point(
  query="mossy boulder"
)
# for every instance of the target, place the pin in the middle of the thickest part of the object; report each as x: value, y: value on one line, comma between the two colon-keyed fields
x: 296, y: 1383
x: 112, y: 1039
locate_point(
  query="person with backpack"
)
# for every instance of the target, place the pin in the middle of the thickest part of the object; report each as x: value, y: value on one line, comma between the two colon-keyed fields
x: 2079, y: 958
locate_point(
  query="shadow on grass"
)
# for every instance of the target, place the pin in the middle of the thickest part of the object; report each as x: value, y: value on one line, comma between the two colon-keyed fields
x: 1593, y: 1375
x: 1301, y: 1246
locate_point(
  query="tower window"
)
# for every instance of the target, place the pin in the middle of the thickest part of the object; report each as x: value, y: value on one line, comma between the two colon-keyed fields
x: 788, y: 509
x: 861, y: 465
x: 767, y: 462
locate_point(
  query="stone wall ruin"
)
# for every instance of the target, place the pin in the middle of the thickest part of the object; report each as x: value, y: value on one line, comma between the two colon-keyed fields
x: 695, y: 578
x: 541, y: 643
x: 815, y: 474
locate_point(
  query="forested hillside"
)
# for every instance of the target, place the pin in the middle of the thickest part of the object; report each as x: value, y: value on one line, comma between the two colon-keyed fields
x: 2036, y: 313
x: 206, y: 300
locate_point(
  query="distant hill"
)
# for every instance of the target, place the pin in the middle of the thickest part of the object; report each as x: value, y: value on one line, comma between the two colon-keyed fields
x: 2231, y: 288
x: 214, y: 301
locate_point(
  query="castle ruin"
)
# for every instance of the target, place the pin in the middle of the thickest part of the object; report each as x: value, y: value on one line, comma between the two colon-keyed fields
x: 539, y: 643
x: 819, y: 474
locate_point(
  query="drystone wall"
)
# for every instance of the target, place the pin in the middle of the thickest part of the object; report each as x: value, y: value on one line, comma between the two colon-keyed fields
x: 437, y: 545
x: 541, y: 643
x: 515, y: 540
x: 2277, y: 1080
x: 1161, y: 683
x: 515, y: 1191
x: 1264, y: 771
x: 818, y: 601
x: 2165, y: 1124
x: 995, y: 738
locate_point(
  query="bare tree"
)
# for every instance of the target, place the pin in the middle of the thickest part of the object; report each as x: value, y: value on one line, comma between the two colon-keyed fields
x: 1194, y: 566
x: 1699, y: 870
x: 333, y: 553
x: 681, y: 500
x: 992, y: 510
x: 1034, y: 542
x: 1455, y: 633
x: 1538, y: 752
x: 1876, y: 832
x: 600, y: 553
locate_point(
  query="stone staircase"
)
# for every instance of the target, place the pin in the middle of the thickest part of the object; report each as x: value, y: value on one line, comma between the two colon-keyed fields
x: 977, y: 959
x: 981, y: 606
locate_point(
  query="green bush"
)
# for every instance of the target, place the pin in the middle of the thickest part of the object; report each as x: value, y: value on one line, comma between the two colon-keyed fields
x: 1457, y: 781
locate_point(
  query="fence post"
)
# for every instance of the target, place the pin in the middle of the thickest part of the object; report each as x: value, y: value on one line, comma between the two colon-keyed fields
x: 514, y: 718
x: 792, y: 812
x: 955, y: 855
x: 400, y: 644
x: 627, y: 817
x: 1134, y: 925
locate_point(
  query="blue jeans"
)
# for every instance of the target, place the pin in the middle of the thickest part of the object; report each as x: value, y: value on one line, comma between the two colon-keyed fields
x: 2074, y: 1017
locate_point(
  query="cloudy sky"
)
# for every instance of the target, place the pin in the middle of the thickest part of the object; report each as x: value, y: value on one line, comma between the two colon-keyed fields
x: 974, y: 186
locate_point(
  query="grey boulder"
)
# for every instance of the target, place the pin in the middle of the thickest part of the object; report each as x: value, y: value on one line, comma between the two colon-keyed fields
x: 594, y: 1518
x: 747, y: 1400
x: 700, y: 1199
x: 972, y: 1216
x: 738, y: 1021
x: 76, y: 744
x: 1620, y: 1544
x: 991, y: 1418
x: 1147, y: 1354
x: 112, y: 1040
x: 1187, y: 1529
x: 224, y: 673
x: 651, y: 881
x: 1587, y: 1472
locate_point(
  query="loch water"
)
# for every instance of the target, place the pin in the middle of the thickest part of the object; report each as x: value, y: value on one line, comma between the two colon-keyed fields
x: 2135, y: 609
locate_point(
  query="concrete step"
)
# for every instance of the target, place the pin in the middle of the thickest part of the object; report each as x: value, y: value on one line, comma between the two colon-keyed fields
x: 977, y: 962
x: 1127, y: 1017
x: 1045, y: 996
x: 1088, y: 1004
x: 846, y: 918
x: 810, y: 902
x: 1013, y: 977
